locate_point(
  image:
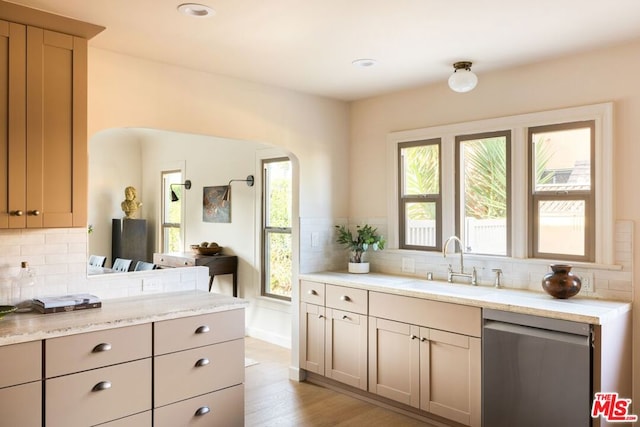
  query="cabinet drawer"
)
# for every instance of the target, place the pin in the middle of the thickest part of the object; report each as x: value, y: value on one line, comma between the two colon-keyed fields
x: 347, y: 299
x: 197, y: 371
x: 81, y: 352
x: 21, y: 405
x: 138, y: 420
x: 224, y: 408
x: 21, y: 363
x: 173, y: 261
x: 77, y: 400
x: 197, y: 331
x: 457, y: 318
x: 312, y: 292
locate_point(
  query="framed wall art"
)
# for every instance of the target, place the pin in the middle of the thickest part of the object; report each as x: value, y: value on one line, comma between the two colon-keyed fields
x: 214, y: 209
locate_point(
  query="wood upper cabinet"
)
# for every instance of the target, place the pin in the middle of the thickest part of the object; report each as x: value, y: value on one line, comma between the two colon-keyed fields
x: 43, y: 134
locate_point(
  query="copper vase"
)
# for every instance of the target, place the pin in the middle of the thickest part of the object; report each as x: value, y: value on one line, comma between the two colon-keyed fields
x: 560, y: 282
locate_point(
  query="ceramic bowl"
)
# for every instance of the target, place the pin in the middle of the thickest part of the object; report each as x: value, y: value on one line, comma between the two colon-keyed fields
x: 206, y: 251
x: 6, y: 309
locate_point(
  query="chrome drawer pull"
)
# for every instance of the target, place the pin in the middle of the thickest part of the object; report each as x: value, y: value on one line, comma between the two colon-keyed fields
x: 102, y: 385
x: 202, y: 362
x: 202, y: 329
x: 345, y: 298
x: 312, y: 292
x: 204, y: 410
x: 101, y: 347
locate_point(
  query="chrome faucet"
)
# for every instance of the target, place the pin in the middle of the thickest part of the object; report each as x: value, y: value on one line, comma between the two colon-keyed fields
x: 450, y: 273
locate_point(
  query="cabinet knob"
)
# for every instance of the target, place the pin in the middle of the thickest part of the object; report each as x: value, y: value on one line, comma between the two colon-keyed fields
x: 312, y: 292
x: 186, y: 263
x: 320, y: 316
x: 345, y: 298
x: 17, y: 213
x: 413, y: 337
x: 202, y: 362
x: 35, y: 212
x: 202, y: 329
x: 102, y: 385
x: 203, y: 410
x: 423, y: 339
x: 345, y: 317
x: 101, y: 347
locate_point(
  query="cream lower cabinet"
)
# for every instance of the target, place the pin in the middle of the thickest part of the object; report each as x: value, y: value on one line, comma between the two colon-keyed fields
x: 333, y: 325
x: 21, y: 385
x: 99, y: 377
x: 436, y: 369
x: 199, y: 370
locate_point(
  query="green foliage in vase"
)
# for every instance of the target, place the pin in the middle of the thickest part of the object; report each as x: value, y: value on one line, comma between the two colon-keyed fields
x: 366, y: 238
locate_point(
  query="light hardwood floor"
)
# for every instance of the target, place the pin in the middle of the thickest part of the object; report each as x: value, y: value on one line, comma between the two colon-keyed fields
x: 271, y: 399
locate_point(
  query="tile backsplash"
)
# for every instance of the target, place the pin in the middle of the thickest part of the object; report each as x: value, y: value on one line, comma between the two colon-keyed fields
x: 59, y: 259
x: 320, y: 252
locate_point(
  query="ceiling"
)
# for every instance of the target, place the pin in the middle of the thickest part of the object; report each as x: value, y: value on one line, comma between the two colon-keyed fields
x: 309, y: 45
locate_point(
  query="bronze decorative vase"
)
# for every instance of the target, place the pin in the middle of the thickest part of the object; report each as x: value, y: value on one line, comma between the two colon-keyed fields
x: 560, y: 282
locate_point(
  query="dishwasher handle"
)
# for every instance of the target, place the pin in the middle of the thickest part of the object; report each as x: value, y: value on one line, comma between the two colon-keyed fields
x: 510, y: 328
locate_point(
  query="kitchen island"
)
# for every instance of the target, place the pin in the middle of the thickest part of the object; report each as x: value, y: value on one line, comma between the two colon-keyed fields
x: 158, y: 359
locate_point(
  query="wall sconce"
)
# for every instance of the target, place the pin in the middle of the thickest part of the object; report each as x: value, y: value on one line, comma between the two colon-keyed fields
x: 250, y: 180
x: 174, y: 196
x: 463, y: 79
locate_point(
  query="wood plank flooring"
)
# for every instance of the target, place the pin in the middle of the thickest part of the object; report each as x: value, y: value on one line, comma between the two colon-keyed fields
x: 271, y: 399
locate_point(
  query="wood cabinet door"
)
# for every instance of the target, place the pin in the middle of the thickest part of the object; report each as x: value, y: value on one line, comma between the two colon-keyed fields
x: 394, y: 356
x: 56, y: 129
x: 312, y: 330
x: 346, y: 348
x: 450, y: 376
x: 13, y: 152
x: 21, y: 405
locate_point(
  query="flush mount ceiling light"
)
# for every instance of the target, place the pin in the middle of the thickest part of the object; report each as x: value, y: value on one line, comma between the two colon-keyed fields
x: 196, y: 10
x: 364, y: 63
x: 462, y: 80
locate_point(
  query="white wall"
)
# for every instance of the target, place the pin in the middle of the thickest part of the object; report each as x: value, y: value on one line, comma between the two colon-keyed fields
x: 126, y: 92
x: 587, y: 78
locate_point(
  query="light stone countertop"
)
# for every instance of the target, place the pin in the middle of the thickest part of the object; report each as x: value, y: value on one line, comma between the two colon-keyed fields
x: 578, y: 309
x: 114, y: 313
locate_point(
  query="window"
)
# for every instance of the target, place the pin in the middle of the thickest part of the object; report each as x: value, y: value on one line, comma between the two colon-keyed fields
x: 172, y: 240
x: 277, y: 219
x: 483, y: 183
x: 536, y: 185
x: 420, y: 195
x: 561, y: 192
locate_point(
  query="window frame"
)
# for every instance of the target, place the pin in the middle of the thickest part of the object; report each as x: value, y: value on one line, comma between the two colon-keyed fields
x: 266, y: 230
x: 164, y: 226
x: 459, y: 139
x: 604, y: 223
x: 419, y: 198
x: 535, y: 197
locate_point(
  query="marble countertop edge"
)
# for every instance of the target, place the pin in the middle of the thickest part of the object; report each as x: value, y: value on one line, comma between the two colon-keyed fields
x: 115, y: 313
x: 577, y: 309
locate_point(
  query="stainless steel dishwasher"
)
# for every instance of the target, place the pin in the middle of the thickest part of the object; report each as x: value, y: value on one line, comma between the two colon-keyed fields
x: 536, y: 371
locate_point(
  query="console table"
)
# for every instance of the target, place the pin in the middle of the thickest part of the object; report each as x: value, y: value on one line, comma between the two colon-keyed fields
x: 217, y: 264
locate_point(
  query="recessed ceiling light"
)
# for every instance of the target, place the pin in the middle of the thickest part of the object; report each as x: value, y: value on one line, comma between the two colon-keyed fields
x: 196, y: 10
x: 365, y: 63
